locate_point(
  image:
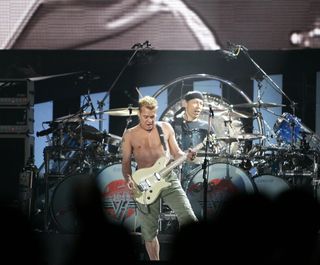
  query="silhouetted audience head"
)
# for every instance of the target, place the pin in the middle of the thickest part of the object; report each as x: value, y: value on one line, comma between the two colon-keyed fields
x: 298, y: 223
x: 239, y: 232
x: 253, y: 229
x: 100, y: 241
x: 19, y: 243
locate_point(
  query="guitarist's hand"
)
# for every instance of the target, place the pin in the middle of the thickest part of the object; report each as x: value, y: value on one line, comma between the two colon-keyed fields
x: 130, y: 185
x: 191, y: 154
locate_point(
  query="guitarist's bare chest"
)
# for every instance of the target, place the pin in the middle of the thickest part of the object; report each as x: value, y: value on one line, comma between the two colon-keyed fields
x: 147, y: 142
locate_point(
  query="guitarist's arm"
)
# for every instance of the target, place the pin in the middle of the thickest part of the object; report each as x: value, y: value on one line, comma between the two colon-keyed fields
x: 126, y: 159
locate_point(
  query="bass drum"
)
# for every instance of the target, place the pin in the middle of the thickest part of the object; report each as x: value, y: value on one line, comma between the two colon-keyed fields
x: 224, y: 181
x: 270, y: 185
x: 117, y: 203
x: 119, y: 206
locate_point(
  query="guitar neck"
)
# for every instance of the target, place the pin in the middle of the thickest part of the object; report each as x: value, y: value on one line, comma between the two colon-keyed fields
x: 178, y: 162
x: 173, y: 165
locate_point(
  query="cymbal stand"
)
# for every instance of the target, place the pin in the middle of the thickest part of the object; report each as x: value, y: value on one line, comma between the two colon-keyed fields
x: 205, y: 166
x: 46, y: 183
x: 227, y: 123
x: 56, y: 149
x: 292, y: 133
x: 315, y: 177
x: 81, y: 150
x: 129, y: 119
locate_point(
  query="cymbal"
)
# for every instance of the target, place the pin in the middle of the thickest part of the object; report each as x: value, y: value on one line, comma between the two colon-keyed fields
x: 232, y: 114
x: 116, y: 137
x: 250, y: 136
x: 133, y: 111
x: 258, y: 105
x: 77, y: 117
x: 209, y: 154
x: 112, y: 139
x: 227, y: 139
x: 93, y: 120
x: 214, y: 108
x: 240, y: 137
x: 69, y: 118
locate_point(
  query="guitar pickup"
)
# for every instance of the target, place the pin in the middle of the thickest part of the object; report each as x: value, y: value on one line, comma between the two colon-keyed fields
x: 144, y: 185
x: 157, y: 175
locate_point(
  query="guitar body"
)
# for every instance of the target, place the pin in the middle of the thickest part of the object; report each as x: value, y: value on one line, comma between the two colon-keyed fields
x: 153, y: 185
x: 149, y: 182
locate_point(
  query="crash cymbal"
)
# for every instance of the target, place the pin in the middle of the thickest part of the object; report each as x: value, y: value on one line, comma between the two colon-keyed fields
x: 258, y: 105
x: 133, y: 111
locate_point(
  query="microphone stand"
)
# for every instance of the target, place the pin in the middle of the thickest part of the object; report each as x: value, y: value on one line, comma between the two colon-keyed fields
x: 204, y: 168
x: 137, y: 47
x: 268, y: 78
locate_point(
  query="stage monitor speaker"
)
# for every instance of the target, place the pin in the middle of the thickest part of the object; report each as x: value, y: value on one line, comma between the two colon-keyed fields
x: 15, y: 151
x: 16, y: 92
x: 16, y: 119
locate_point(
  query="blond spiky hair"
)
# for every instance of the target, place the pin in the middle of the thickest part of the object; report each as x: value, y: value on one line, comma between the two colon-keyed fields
x: 148, y: 102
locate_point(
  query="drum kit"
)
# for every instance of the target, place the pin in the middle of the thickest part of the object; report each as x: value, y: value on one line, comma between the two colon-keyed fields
x: 237, y: 163
x: 247, y: 162
x: 78, y: 151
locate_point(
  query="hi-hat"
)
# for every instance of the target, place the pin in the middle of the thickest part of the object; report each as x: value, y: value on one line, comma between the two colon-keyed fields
x: 258, y: 105
x: 130, y: 111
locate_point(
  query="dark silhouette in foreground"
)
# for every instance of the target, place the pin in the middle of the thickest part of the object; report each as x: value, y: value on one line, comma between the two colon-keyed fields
x: 253, y: 229
x: 99, y: 241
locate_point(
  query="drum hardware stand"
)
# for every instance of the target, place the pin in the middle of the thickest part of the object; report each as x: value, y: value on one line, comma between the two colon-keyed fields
x: 129, y: 119
x: 205, y: 166
x: 58, y: 144
x: 315, y: 178
x: 227, y: 177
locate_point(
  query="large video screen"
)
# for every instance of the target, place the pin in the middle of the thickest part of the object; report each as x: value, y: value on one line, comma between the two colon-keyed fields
x: 164, y: 25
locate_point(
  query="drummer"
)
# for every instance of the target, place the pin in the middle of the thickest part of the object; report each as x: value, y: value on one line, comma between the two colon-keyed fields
x: 190, y: 130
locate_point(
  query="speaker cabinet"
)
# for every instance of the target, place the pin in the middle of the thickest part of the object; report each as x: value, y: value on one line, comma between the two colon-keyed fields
x: 14, y: 153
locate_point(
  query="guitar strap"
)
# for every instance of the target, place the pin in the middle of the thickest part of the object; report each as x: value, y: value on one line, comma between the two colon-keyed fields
x: 161, y: 134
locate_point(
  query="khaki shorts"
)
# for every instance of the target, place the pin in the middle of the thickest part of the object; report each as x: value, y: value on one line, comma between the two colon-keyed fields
x: 176, y: 198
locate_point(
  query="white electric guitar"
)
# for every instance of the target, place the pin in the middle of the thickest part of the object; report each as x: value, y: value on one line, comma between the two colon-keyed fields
x: 149, y: 182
